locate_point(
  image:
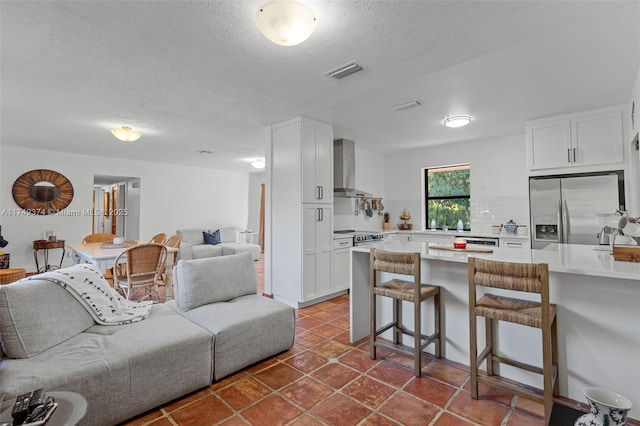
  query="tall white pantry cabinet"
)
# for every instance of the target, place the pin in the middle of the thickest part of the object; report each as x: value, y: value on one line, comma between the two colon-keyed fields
x: 301, y: 211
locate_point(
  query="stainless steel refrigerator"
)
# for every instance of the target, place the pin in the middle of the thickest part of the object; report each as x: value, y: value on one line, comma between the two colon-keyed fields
x: 564, y: 209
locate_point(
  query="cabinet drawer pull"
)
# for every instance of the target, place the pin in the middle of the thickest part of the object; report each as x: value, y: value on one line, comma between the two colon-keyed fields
x: 568, y: 155
x: 575, y: 151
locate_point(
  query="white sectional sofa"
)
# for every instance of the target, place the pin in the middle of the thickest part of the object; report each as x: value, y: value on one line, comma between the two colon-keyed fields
x: 217, y: 325
x: 192, y: 245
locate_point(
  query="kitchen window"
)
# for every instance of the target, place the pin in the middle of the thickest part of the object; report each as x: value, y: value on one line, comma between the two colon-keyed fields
x: 447, y: 196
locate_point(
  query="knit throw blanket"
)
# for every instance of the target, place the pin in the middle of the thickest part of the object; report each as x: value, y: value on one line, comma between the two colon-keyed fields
x: 87, y: 285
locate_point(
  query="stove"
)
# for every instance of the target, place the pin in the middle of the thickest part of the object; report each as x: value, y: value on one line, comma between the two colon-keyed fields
x: 367, y: 237
x: 362, y: 237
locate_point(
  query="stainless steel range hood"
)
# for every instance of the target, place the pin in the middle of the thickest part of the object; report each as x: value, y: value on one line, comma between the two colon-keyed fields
x: 344, y: 170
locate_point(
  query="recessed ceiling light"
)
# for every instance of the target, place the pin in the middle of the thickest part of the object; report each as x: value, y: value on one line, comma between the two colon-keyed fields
x: 457, y: 120
x: 126, y: 134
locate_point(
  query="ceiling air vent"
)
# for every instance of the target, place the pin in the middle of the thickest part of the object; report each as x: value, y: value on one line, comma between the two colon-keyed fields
x: 407, y: 105
x: 344, y: 70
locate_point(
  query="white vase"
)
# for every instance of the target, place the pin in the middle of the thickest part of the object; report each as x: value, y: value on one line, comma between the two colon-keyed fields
x: 608, y: 408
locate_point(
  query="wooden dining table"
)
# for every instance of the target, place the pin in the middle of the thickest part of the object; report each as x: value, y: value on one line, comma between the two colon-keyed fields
x: 104, y: 256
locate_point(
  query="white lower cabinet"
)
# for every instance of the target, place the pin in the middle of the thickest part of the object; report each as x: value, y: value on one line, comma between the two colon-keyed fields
x: 317, y: 249
x: 341, y: 259
x: 514, y: 242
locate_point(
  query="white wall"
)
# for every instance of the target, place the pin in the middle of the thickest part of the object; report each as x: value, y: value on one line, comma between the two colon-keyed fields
x: 499, y: 180
x: 171, y: 198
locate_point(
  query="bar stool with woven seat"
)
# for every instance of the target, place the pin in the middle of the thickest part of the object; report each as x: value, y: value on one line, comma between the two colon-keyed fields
x: 514, y: 277
x: 400, y: 290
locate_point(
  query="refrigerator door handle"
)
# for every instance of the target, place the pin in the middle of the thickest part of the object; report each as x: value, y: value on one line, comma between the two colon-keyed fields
x: 559, y: 221
x: 565, y: 223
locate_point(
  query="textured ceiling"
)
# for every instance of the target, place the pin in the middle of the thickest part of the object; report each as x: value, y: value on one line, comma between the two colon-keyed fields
x: 198, y: 75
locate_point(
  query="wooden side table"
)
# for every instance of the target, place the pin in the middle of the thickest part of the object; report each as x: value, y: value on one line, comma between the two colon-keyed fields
x: 7, y: 276
x: 47, y: 245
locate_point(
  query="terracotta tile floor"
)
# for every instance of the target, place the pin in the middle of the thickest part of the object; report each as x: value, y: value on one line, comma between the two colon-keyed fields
x: 325, y: 380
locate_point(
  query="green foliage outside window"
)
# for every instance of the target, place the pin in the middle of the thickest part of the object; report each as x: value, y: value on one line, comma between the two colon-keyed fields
x: 448, y: 196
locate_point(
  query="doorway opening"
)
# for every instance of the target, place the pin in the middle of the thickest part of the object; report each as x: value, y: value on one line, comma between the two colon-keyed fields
x: 116, y: 206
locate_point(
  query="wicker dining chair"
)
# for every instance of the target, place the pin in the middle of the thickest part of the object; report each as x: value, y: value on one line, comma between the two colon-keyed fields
x: 174, y: 242
x: 160, y: 238
x: 509, y: 278
x: 98, y: 238
x: 142, y: 270
x: 402, y: 291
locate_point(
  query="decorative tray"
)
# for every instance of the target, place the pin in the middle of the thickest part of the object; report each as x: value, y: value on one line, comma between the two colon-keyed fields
x: 466, y: 250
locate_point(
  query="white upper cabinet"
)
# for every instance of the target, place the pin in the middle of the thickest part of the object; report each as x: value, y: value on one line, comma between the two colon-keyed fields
x: 598, y: 139
x: 549, y: 145
x: 578, y: 140
x: 317, y: 162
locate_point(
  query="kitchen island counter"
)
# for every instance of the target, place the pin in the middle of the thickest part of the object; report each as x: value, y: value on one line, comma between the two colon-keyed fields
x: 597, y: 302
x: 566, y: 258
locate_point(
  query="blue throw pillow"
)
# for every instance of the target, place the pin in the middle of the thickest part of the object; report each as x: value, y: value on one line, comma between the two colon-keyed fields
x: 211, y: 238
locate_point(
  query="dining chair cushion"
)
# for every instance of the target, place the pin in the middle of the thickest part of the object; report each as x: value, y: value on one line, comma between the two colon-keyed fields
x: 198, y: 282
x: 23, y: 333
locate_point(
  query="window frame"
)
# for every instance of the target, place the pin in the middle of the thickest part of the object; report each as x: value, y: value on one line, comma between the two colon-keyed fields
x: 426, y: 198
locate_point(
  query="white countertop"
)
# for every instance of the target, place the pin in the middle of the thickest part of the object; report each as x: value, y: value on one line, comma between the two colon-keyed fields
x: 565, y: 258
x: 454, y: 232
x: 451, y: 232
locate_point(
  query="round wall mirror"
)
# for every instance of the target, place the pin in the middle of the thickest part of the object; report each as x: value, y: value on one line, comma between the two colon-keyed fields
x: 42, y: 191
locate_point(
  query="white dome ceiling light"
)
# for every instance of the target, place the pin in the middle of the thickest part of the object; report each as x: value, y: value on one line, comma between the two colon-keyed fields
x: 126, y: 134
x: 285, y: 22
x: 457, y: 121
x: 258, y: 163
